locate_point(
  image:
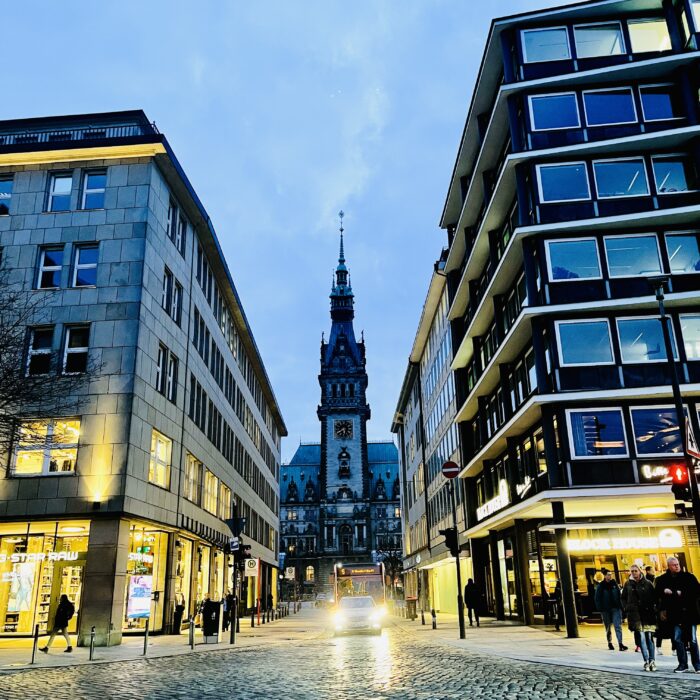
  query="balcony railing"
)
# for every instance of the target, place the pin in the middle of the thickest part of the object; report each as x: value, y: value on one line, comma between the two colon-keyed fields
x: 84, y: 133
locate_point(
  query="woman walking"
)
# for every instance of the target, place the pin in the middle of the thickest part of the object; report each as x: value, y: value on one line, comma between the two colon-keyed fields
x: 639, y: 603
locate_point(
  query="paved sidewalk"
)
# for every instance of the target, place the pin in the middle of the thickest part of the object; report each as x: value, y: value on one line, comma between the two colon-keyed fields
x: 544, y: 645
x: 15, y: 654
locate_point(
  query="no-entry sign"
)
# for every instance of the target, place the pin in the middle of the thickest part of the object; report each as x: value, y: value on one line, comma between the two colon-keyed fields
x: 450, y: 470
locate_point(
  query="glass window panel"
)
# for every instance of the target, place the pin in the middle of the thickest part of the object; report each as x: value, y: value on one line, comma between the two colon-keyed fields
x: 690, y: 328
x: 42, y: 338
x: 66, y: 432
x: 620, y: 178
x: 599, y: 40
x: 660, y: 102
x: 649, y: 35
x: 94, y: 200
x: 585, y: 343
x: 632, y: 256
x: 76, y: 362
x: 29, y: 462
x: 87, y: 255
x: 62, y: 460
x: 33, y: 433
x: 5, y: 195
x: 696, y: 14
x: 642, y: 340
x: 597, y: 433
x: 53, y: 258
x: 96, y: 181
x: 656, y: 431
x: 86, y: 277
x: 563, y: 182
x: 609, y: 107
x: 545, y: 45
x: 674, y: 174
x: 554, y: 111
x: 62, y: 184
x: 570, y: 260
x: 683, y: 252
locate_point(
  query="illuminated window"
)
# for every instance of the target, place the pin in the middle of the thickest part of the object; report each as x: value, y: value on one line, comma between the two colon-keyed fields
x: 193, y: 478
x: 47, y: 447
x: 597, y: 433
x: 225, y: 503
x: 159, y: 464
x: 211, y: 487
x: 310, y: 575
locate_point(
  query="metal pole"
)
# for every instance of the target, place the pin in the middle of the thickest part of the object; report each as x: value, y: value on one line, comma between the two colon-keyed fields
x: 92, y: 642
x: 252, y: 618
x: 422, y: 617
x: 191, y: 632
x: 460, y: 601
x: 233, y: 620
x: 35, y: 643
x: 145, y: 637
x: 659, y: 285
x: 434, y: 616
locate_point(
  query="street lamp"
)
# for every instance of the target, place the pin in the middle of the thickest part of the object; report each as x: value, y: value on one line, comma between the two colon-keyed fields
x: 658, y: 284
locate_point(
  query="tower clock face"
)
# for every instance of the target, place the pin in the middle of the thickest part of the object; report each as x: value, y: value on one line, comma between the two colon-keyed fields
x: 343, y: 429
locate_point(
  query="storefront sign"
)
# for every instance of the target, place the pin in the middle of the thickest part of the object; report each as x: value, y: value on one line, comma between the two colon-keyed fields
x: 522, y: 489
x: 20, y: 557
x: 496, y: 503
x: 667, y: 540
x: 141, y: 558
x: 653, y: 472
x: 139, y: 604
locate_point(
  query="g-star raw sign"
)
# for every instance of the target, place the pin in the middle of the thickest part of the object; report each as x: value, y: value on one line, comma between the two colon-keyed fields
x: 496, y: 503
x: 21, y: 557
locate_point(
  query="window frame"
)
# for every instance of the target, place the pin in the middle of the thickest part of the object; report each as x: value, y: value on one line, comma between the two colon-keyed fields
x: 609, y: 89
x: 166, y: 298
x: 604, y: 409
x: 674, y: 340
x: 49, y: 268
x: 207, y: 493
x: 653, y: 455
x: 198, y: 467
x: 631, y: 235
x: 666, y: 235
x: 538, y: 168
x: 577, y: 239
x: 171, y: 377
x: 553, y: 94
x: 682, y: 156
x: 153, y: 459
x: 523, y: 47
x: 161, y: 368
x: 586, y: 25
x: 647, y: 20
x: 77, y: 265
x: 617, y: 160
x: 82, y: 349
x: 44, y: 351
x: 86, y: 191
x: 560, y: 353
x: 53, y: 177
x: 681, y: 316
x: 645, y: 119
x: 47, y: 447
x: 7, y: 177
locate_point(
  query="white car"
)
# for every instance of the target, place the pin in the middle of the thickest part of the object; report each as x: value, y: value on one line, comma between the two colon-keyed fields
x: 358, y: 614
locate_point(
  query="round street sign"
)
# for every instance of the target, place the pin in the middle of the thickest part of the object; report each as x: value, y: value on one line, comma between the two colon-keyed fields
x: 450, y: 470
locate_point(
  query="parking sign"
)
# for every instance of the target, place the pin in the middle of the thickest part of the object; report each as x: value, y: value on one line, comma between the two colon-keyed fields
x: 251, y: 567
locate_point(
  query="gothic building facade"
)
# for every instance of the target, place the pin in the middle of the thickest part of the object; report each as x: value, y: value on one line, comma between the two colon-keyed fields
x: 340, y: 497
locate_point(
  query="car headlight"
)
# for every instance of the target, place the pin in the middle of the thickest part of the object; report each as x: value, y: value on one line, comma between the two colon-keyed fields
x: 339, y: 619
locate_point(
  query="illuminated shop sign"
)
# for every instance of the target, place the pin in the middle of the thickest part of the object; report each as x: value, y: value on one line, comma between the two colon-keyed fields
x: 522, y: 488
x: 667, y: 539
x: 22, y: 557
x: 496, y: 503
x: 141, y: 558
x: 653, y: 472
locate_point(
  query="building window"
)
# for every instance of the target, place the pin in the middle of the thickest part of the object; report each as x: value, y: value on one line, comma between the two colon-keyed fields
x: 181, y: 235
x: 85, y: 271
x: 690, y: 329
x: 620, y: 178
x: 543, y: 45
x: 5, y: 195
x: 171, y: 381
x: 225, y: 502
x: 695, y: 5
x: 166, y: 298
x: 176, y: 227
x: 176, y: 303
x: 642, y: 340
x: 610, y: 106
x: 584, y: 342
x: 683, y: 252
x: 660, y: 102
x: 292, y: 515
x: 47, y: 447
x: 159, y: 463
x: 558, y: 111
x: 193, y: 478
x: 597, y: 433
x: 211, y: 486
x: 50, y: 266
x: 60, y: 185
x: 161, y: 368
x: 563, y: 182
x: 40, y: 352
x: 673, y: 174
x: 75, y: 352
x: 594, y: 40
x: 573, y: 259
x: 649, y: 35
x: 632, y: 255
x: 310, y: 575
x: 656, y: 431
x: 94, y: 185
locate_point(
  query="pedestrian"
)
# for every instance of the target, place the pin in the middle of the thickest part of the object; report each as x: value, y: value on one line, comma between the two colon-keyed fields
x: 270, y: 601
x: 472, y: 599
x: 609, y: 605
x: 64, y: 612
x: 677, y: 595
x: 226, y: 610
x: 639, y: 603
x: 558, y: 607
x: 649, y: 574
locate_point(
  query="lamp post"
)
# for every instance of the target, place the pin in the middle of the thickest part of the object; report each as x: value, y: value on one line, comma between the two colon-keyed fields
x: 659, y: 283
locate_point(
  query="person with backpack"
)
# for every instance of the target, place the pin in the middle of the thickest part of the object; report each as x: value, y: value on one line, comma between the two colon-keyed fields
x: 64, y: 612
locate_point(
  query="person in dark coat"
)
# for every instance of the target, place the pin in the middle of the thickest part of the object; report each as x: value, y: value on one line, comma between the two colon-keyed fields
x: 649, y: 574
x: 609, y: 605
x: 677, y: 595
x: 639, y: 603
x: 64, y: 612
x: 472, y: 599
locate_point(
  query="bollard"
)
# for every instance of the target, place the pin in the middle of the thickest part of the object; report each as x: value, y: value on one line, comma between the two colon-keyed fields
x: 109, y: 633
x: 35, y: 643
x: 252, y: 618
x: 234, y: 621
x: 432, y: 612
x: 92, y: 642
x: 191, y: 632
x: 263, y: 617
x: 145, y: 638
x: 422, y: 617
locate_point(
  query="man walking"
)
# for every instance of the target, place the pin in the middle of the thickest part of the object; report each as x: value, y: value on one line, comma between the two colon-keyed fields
x: 472, y: 599
x: 677, y: 594
x: 64, y: 612
x: 608, y: 604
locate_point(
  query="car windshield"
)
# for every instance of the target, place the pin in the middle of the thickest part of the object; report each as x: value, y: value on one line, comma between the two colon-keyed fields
x: 351, y: 603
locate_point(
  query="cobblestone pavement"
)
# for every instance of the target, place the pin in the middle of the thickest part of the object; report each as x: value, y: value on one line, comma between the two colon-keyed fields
x: 399, y: 664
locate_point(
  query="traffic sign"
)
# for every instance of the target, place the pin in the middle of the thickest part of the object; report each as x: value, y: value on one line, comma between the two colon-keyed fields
x: 289, y: 573
x: 251, y: 567
x: 233, y: 543
x: 450, y: 470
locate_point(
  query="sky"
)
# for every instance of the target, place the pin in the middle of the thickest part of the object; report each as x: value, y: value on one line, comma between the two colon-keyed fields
x: 282, y: 114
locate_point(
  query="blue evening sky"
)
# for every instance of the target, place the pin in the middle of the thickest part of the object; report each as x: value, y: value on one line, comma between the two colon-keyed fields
x: 282, y: 113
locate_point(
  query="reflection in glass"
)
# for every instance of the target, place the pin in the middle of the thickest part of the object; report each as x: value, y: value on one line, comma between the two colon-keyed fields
x: 642, y: 340
x: 683, y: 252
x: 609, y: 107
x: 599, y: 40
x: 620, y: 178
x: 545, y: 45
x: 647, y: 35
x: 563, y: 182
x: 656, y: 431
x: 570, y: 260
x: 674, y: 174
x: 660, y: 102
x: 585, y: 342
x: 597, y: 433
x: 554, y: 111
x: 690, y: 328
x: 632, y: 255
